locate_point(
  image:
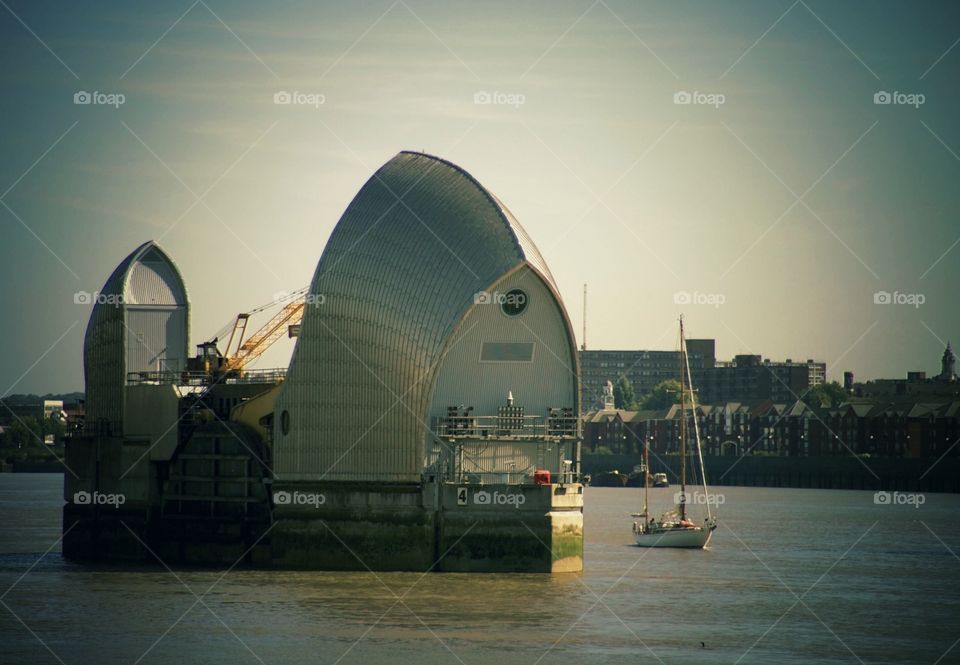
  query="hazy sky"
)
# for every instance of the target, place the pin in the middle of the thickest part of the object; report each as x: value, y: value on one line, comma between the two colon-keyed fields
x: 783, y: 195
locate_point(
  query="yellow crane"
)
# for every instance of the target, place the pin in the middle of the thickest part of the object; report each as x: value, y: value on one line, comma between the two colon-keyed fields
x: 239, y: 352
x: 253, y: 347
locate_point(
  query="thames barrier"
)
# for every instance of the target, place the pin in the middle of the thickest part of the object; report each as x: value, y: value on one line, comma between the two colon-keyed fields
x: 427, y: 419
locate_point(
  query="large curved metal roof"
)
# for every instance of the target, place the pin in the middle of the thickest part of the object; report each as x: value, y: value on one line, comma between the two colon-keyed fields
x: 399, y: 272
x: 147, y: 279
x: 415, y: 174
x: 148, y: 276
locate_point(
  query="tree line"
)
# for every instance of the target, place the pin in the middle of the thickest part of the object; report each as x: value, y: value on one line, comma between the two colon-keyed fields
x: 667, y: 393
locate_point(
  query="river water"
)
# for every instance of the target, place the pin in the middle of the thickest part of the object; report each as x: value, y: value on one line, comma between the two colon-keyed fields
x: 792, y: 576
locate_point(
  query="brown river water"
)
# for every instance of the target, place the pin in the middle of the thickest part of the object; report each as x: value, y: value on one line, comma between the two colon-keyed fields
x: 791, y: 576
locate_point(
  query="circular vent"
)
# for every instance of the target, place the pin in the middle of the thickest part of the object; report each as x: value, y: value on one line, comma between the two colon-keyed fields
x: 513, y: 302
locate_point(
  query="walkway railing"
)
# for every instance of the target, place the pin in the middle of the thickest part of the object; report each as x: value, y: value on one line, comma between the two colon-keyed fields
x: 503, y: 449
x: 165, y: 377
x: 505, y: 427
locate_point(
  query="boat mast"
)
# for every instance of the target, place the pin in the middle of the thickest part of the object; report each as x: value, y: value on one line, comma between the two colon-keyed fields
x: 683, y: 429
x: 696, y: 432
x: 646, y: 479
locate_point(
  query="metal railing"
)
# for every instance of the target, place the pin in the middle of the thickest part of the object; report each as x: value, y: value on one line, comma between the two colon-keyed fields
x: 504, y: 427
x: 503, y: 460
x: 165, y: 377
x: 94, y: 428
x: 459, y: 466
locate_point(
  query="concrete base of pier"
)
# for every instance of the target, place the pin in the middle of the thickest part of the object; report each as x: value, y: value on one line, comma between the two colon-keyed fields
x: 433, y: 527
x: 353, y: 526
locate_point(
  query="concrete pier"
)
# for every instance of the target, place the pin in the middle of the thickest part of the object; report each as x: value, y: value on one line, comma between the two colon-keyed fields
x: 354, y: 526
x: 439, y: 527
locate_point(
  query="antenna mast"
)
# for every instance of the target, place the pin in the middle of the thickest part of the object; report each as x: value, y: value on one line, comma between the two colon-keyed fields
x: 584, y: 347
x: 683, y: 428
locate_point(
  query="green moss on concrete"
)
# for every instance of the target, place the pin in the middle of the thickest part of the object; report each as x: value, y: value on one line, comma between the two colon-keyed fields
x: 565, y: 545
x: 507, y: 542
x: 352, y: 545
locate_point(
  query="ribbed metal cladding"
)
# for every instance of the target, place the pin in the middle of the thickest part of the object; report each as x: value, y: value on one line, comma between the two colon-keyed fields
x: 548, y: 380
x: 526, y: 245
x: 104, y: 364
x: 152, y: 281
x: 155, y: 339
x: 139, y: 322
x: 398, y: 276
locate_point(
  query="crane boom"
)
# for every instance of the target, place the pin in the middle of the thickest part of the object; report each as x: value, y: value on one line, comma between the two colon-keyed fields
x: 239, y: 352
x: 260, y: 341
x: 237, y: 325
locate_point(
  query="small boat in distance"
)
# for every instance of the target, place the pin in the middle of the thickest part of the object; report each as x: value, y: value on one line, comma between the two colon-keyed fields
x: 639, y: 477
x: 674, y: 528
x: 609, y: 479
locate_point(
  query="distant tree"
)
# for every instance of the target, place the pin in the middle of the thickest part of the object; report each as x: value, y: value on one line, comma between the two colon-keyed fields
x: 23, y: 440
x: 664, y: 394
x: 30, y: 398
x: 26, y: 432
x: 54, y: 427
x: 624, y: 396
x: 826, y: 394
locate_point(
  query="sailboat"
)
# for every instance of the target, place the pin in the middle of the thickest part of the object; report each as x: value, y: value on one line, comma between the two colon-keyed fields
x: 674, y: 528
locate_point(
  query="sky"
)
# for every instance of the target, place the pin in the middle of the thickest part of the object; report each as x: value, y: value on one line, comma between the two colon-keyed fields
x: 732, y: 161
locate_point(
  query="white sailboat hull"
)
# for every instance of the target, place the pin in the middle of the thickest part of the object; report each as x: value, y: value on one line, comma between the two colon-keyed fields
x: 674, y: 529
x: 690, y: 537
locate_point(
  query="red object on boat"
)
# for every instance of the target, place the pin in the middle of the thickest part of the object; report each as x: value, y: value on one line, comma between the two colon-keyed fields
x: 541, y: 477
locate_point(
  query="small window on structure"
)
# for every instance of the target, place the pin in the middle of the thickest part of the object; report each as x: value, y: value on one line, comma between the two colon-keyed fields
x: 285, y: 422
x: 514, y: 302
x: 506, y: 352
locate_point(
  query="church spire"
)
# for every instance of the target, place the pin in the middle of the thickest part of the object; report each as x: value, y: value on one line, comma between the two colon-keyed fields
x: 948, y: 365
